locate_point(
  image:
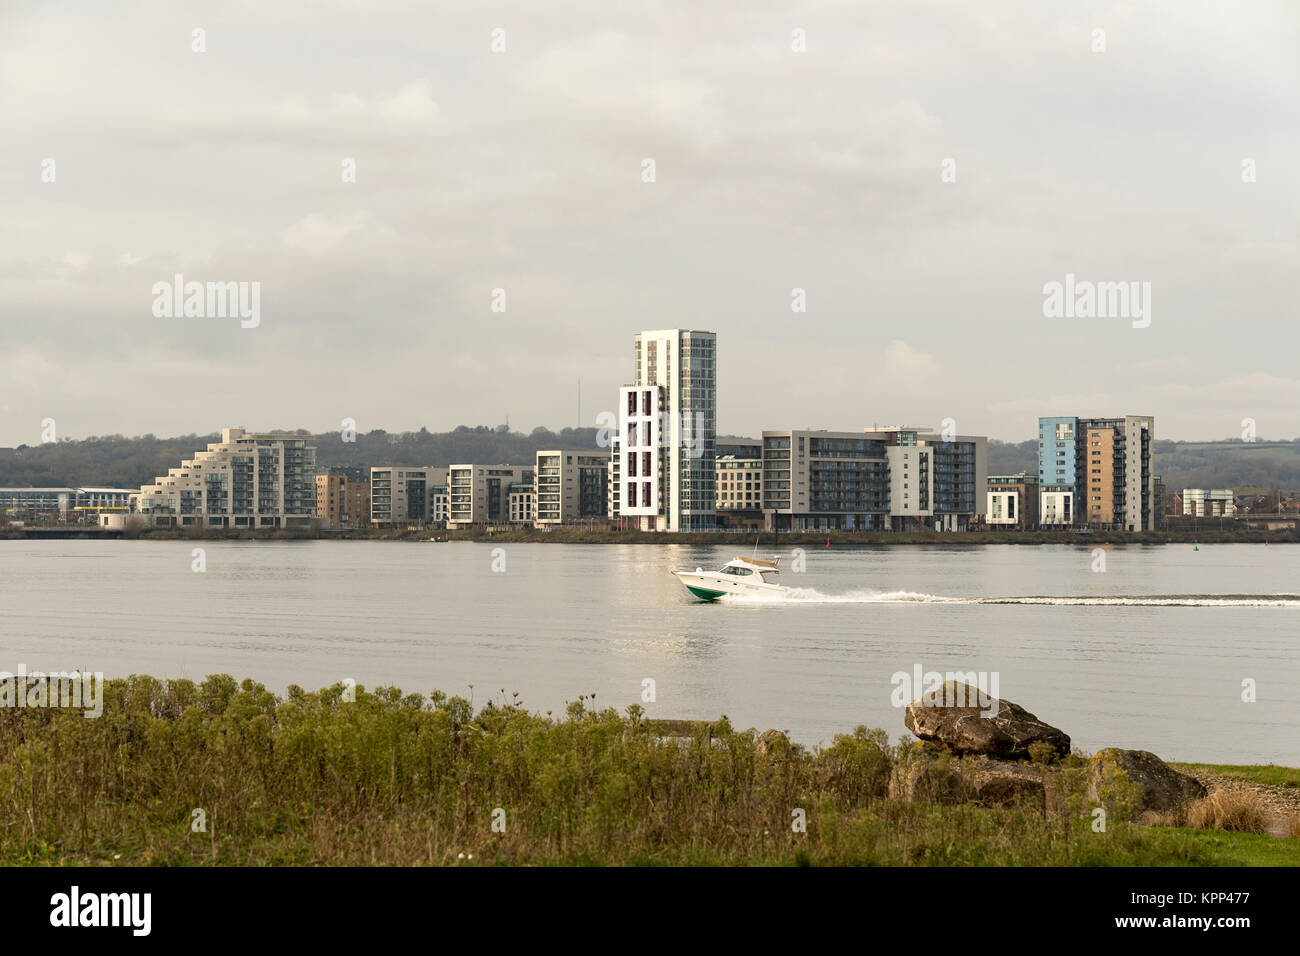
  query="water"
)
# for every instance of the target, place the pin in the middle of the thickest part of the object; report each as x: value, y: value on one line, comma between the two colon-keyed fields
x: 1150, y: 654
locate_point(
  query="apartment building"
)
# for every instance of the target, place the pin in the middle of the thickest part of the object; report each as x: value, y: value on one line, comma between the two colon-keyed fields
x: 1058, y: 470
x: 572, y: 485
x: 438, y: 503
x: 480, y: 494
x: 1209, y: 503
x: 611, y: 482
x: 522, y: 495
x: 356, y: 513
x: 937, y: 482
x: 245, y: 480
x: 343, y: 502
x: 637, y: 460
x: 1096, y: 472
x: 740, y: 487
x: 824, y: 480
x: 331, y: 494
x: 666, y: 470
x: 1012, y: 501
x: 402, y: 494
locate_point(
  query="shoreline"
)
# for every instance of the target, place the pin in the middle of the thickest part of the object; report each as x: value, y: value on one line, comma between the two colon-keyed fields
x: 225, y: 772
x: 744, y: 539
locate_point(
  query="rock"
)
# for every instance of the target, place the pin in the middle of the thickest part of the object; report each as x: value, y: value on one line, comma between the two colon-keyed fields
x: 998, y: 784
x: 1007, y: 733
x: 772, y: 742
x: 1115, y: 776
x: 922, y: 776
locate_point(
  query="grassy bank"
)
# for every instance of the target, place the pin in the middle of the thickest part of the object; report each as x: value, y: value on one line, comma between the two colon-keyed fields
x: 393, y: 778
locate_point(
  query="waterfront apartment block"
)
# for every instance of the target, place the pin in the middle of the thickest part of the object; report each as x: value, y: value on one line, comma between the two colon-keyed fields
x: 740, y: 488
x: 1096, y: 472
x: 1209, y: 503
x: 480, y: 494
x: 330, y: 499
x: 62, y: 504
x: 1012, y: 501
x: 896, y: 478
x: 824, y: 480
x: 572, y: 485
x: 675, y: 381
x: 1058, y: 470
x: 243, y: 481
x: 402, y: 494
x: 936, y: 482
x: 356, y: 513
x: 521, y: 496
x: 343, y: 502
x: 637, y: 469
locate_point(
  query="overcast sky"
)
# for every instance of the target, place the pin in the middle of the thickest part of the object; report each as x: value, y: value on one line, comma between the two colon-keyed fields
x: 523, y: 170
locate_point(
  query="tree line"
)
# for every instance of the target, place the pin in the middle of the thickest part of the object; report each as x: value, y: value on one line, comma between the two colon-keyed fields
x: 128, y: 462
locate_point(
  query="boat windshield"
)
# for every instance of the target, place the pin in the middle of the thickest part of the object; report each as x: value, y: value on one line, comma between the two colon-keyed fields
x: 728, y: 569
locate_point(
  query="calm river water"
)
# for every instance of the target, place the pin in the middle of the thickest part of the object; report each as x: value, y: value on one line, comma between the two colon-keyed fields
x: 1150, y: 653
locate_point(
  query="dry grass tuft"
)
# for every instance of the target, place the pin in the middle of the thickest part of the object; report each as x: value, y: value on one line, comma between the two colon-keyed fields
x: 1238, y: 810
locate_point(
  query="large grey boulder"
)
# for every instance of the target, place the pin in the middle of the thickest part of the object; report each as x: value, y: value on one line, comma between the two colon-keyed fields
x: 1140, y: 781
x: 1003, y: 730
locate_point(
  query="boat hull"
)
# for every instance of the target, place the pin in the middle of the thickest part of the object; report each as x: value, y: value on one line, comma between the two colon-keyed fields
x: 709, y: 586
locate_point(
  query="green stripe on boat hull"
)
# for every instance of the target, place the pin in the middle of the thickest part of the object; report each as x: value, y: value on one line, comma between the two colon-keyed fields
x: 704, y: 593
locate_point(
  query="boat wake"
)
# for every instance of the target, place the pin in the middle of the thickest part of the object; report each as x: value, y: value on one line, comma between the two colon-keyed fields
x: 813, y: 596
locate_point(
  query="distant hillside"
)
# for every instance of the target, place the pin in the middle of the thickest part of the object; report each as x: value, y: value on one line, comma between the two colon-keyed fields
x: 1229, y: 464
x: 121, y: 462
x: 1008, y: 458
x: 1220, y: 464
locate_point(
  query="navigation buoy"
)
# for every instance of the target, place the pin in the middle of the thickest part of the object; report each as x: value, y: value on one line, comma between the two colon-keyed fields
x: 828, y: 542
x: 1196, y: 547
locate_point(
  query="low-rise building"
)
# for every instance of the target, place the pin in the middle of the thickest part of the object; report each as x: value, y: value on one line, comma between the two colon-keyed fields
x: 1209, y: 503
x: 1012, y: 501
x: 62, y: 504
x: 37, y: 504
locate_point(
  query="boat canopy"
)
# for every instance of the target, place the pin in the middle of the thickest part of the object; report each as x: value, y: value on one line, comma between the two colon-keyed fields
x: 757, y: 562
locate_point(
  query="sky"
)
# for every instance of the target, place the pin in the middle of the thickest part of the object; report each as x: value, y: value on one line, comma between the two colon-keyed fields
x: 922, y: 171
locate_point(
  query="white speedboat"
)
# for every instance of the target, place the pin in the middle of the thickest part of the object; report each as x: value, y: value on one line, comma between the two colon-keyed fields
x: 737, y: 576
